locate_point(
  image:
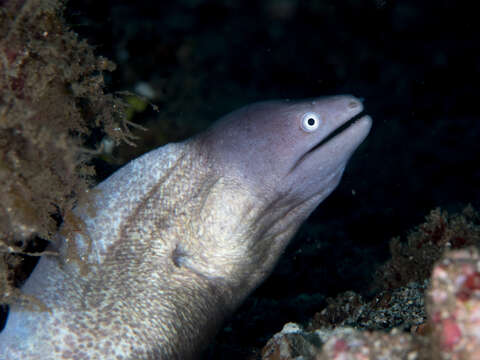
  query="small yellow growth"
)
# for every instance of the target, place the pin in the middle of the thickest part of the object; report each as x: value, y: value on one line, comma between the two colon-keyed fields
x: 135, y: 105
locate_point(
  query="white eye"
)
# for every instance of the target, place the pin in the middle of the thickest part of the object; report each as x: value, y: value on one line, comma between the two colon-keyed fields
x: 310, y: 121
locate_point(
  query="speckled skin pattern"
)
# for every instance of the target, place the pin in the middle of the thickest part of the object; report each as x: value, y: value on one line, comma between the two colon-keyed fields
x: 176, y: 239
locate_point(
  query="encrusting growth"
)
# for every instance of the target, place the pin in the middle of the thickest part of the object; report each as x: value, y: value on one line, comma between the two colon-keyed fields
x: 51, y: 96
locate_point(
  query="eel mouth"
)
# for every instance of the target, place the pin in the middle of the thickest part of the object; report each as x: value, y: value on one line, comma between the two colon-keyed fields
x: 337, y: 131
x: 352, y: 122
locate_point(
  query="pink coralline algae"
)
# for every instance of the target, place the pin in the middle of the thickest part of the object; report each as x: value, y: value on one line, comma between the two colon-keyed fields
x: 454, y: 306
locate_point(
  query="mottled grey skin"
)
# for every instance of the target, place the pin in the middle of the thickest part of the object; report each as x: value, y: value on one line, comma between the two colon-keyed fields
x: 181, y: 235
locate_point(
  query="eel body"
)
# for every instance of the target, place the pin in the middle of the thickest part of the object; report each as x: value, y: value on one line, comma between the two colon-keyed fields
x: 177, y: 238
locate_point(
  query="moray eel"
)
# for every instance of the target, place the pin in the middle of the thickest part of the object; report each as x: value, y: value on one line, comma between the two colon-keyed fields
x: 176, y: 239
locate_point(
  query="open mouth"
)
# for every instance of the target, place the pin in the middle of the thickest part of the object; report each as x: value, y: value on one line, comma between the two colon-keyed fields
x: 339, y: 130
x: 336, y: 132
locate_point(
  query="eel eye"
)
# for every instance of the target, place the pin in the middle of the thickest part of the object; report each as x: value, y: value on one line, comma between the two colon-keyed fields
x: 310, y: 121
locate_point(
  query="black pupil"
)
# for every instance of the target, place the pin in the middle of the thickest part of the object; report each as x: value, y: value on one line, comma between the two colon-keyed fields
x: 311, y: 121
